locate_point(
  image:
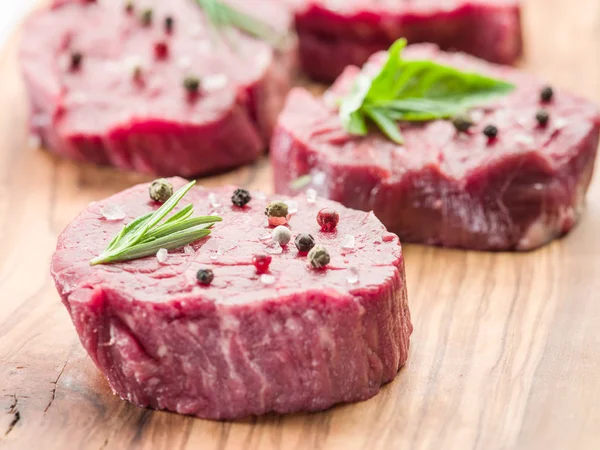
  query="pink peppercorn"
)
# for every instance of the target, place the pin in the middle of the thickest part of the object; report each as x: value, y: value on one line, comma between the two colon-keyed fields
x: 328, y: 219
x: 161, y: 50
x: 261, y: 262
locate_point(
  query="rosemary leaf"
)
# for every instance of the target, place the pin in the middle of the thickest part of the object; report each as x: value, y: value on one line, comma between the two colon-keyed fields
x: 144, y: 236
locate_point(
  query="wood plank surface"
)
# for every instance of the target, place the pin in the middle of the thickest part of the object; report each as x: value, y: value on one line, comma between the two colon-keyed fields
x: 506, y: 348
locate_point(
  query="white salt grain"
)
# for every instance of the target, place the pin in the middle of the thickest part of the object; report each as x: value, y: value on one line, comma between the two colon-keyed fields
x: 162, y: 255
x: 112, y: 212
x: 349, y: 242
x: 352, y: 275
x: 292, y: 206
x: 273, y: 248
x: 311, y: 195
x: 267, y: 279
x: 213, y: 199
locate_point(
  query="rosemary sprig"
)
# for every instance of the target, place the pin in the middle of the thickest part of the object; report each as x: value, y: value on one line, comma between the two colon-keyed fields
x: 223, y: 17
x: 144, y: 236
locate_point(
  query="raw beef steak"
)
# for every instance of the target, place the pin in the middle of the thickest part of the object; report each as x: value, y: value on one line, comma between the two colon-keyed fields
x: 334, y: 34
x: 293, y: 339
x: 516, y: 192
x: 106, y: 87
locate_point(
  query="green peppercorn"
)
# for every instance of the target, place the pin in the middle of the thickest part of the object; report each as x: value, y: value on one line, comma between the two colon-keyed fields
x: 542, y: 117
x: 276, y: 209
x: 318, y: 257
x: 169, y: 22
x: 76, y: 58
x: 462, y: 122
x: 205, y: 276
x: 546, y: 94
x: 241, y: 197
x: 129, y: 6
x: 161, y: 190
x: 191, y: 84
x: 491, y: 131
x: 146, y: 17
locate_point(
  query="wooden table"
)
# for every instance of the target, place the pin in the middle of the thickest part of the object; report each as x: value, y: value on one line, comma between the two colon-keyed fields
x: 506, y: 349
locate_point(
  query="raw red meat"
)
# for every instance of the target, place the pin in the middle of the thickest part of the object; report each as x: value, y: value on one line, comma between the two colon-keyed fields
x: 247, y: 344
x: 100, y: 112
x: 336, y: 33
x: 516, y: 192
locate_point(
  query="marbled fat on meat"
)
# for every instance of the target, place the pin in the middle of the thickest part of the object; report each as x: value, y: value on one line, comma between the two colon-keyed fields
x: 240, y: 346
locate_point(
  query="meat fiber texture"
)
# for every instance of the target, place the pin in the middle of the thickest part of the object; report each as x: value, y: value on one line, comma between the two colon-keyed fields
x: 516, y: 192
x: 336, y: 33
x: 245, y: 345
x: 102, y: 114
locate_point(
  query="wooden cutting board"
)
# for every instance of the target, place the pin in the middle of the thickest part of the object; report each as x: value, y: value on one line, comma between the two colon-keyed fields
x: 506, y: 348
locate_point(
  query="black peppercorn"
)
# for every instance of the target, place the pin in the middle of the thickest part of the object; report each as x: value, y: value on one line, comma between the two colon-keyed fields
x: 241, y: 197
x: 205, y: 276
x: 546, y: 94
x: 318, y: 257
x: 169, y: 22
x: 191, y: 84
x: 491, y: 131
x: 146, y: 17
x: 76, y: 58
x: 542, y: 117
x: 462, y: 122
x: 161, y: 190
x: 304, y: 242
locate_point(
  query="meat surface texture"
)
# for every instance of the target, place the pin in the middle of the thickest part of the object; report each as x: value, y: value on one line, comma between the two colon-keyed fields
x: 296, y: 339
x: 334, y: 34
x: 516, y: 192
x: 126, y: 106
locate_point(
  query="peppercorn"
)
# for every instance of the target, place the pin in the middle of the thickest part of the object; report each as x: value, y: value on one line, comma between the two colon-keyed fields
x: 146, y: 17
x: 276, y: 209
x: 491, y: 131
x: 161, y: 190
x: 328, y: 219
x: 191, y: 84
x: 205, y: 276
x: 318, y: 257
x: 542, y: 117
x: 241, y: 197
x: 462, y: 123
x: 169, y: 22
x: 161, y: 50
x: 546, y: 94
x: 282, y: 235
x: 304, y: 242
x: 261, y: 262
x: 129, y: 7
x: 76, y: 58
x: 136, y: 73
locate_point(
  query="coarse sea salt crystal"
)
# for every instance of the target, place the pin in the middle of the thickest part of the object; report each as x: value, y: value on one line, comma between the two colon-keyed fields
x: 266, y: 237
x: 112, y: 212
x: 267, y: 279
x: 213, y: 199
x: 259, y: 195
x: 349, y: 242
x: 273, y: 248
x: 162, y: 255
x: 318, y: 178
x: 311, y: 195
x: 188, y: 250
x: 292, y: 206
x: 214, y: 82
x: 352, y: 275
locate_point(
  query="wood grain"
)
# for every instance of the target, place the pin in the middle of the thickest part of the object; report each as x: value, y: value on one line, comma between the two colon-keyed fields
x: 506, y: 349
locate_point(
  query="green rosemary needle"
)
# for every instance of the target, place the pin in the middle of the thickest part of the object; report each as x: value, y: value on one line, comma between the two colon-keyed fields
x: 145, y: 235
